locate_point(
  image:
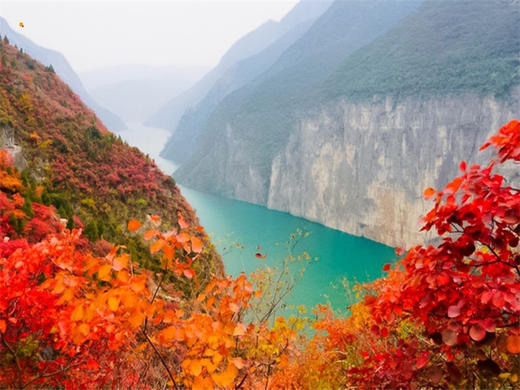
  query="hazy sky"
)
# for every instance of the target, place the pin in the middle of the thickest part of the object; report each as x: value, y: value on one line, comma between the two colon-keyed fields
x: 93, y: 33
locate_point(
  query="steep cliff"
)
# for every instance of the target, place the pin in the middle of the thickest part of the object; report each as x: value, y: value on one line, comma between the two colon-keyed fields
x: 396, y: 116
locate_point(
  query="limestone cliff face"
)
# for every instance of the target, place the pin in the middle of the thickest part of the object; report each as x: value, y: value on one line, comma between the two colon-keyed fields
x: 362, y: 168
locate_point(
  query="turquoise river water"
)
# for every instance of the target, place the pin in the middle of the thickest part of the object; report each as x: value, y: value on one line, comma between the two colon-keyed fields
x: 340, y: 256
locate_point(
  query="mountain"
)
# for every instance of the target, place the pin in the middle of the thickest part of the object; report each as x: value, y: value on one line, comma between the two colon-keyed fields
x: 183, y: 141
x: 64, y: 70
x: 355, y: 150
x: 71, y: 163
x: 343, y: 28
x: 134, y: 92
x: 247, y: 46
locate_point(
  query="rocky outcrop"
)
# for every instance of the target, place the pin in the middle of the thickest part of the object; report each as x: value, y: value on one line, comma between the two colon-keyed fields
x: 7, y: 142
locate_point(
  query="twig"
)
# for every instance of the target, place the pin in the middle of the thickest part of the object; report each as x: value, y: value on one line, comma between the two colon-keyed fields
x: 18, y: 367
x: 160, y: 358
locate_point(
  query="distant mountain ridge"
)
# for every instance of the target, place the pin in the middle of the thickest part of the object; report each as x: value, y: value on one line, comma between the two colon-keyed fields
x: 64, y: 70
x: 293, y: 65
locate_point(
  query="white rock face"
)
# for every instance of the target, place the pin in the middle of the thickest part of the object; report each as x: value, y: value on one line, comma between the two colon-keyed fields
x: 359, y: 167
x: 362, y: 168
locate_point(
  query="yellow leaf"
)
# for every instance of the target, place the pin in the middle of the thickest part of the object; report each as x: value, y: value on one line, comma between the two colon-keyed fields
x: 78, y: 313
x: 133, y: 225
x: 113, y: 303
x: 104, y: 272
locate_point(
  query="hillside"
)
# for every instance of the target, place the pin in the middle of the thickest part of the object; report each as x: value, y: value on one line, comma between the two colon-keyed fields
x: 63, y: 69
x: 183, y: 141
x: 69, y: 160
x: 301, y: 148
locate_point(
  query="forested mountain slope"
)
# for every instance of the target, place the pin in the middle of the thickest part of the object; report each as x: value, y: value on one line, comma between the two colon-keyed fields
x: 70, y: 161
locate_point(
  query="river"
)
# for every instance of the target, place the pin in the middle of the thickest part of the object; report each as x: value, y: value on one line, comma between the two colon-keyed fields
x: 240, y: 230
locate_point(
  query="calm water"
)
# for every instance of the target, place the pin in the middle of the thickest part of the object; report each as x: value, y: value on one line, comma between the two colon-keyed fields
x: 231, y: 222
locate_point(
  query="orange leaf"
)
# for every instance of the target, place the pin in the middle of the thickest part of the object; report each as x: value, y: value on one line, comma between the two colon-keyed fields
x: 428, y: 193
x: 183, y: 237
x: 113, y: 303
x: 240, y: 330
x: 234, y: 307
x: 77, y: 313
x: 84, y: 329
x: 133, y: 225
x: 148, y: 235
x: 104, y: 272
x: 453, y: 187
x: 136, y: 319
x: 195, y: 367
x: 196, y: 244
x: 202, y: 383
x: 238, y: 362
x: 156, y: 246
x: 155, y: 218
x: 121, y: 262
x: 226, y: 378
x: 171, y: 333
x: 513, y: 344
x: 182, y: 223
x: 3, y: 326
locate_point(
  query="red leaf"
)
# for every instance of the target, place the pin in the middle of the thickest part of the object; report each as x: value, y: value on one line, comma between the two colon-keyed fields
x: 453, y: 311
x: 477, y: 332
x: 513, y: 344
x: 449, y: 337
x: 421, y: 360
